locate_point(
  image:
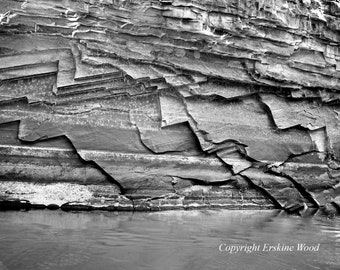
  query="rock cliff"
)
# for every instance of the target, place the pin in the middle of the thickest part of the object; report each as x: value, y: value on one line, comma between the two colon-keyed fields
x: 170, y: 104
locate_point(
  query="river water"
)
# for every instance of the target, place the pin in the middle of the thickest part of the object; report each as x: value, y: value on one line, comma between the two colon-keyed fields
x: 183, y: 240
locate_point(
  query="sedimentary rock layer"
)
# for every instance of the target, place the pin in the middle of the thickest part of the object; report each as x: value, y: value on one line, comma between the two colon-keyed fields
x: 170, y: 103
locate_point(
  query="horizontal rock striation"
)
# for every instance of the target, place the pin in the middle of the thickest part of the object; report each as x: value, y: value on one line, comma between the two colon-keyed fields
x: 170, y: 104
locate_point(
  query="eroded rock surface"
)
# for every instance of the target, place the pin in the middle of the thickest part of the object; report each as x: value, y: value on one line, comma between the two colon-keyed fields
x: 162, y: 104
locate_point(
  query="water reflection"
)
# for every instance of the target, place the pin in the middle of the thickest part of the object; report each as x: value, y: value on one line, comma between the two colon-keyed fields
x: 163, y: 240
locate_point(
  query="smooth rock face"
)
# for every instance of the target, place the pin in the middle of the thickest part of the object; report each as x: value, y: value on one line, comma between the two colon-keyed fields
x: 170, y: 104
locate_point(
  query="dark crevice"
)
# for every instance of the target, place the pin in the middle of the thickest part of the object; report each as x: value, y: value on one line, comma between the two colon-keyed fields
x: 222, y: 145
x: 336, y: 206
x: 298, y: 186
x: 181, y: 99
x: 122, y: 191
x: 263, y: 191
x: 204, y: 182
x: 71, y: 145
x: 268, y: 167
x: 231, y: 166
x: 268, y: 112
x: 133, y: 202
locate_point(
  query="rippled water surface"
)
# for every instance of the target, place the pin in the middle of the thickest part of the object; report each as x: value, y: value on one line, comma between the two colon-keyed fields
x: 165, y: 240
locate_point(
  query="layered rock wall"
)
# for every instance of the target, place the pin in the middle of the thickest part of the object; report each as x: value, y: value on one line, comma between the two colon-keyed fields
x: 159, y: 104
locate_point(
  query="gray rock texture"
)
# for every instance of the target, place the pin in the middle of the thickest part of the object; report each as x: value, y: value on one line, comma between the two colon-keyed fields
x: 170, y: 104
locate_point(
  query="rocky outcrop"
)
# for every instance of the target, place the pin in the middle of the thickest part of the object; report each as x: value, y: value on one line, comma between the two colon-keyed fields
x: 159, y: 104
